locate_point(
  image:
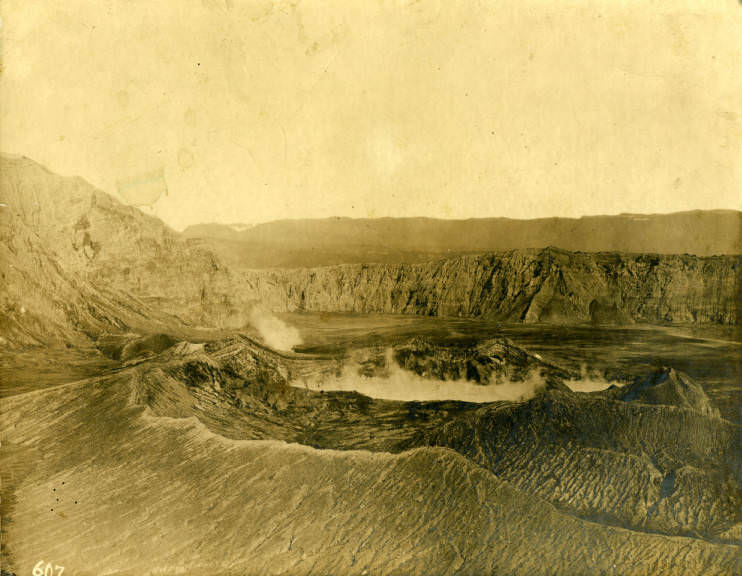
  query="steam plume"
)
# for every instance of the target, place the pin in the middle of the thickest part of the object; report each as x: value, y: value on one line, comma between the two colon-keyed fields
x: 274, y: 331
x: 590, y: 382
x: 405, y: 386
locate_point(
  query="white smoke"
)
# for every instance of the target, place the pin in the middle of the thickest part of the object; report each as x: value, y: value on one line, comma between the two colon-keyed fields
x: 274, y: 331
x: 405, y: 386
x: 591, y: 382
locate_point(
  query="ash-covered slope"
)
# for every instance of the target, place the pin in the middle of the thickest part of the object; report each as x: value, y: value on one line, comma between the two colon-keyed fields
x: 47, y: 296
x: 148, y: 470
x: 648, y: 467
x: 671, y: 388
x: 656, y: 462
x: 522, y: 286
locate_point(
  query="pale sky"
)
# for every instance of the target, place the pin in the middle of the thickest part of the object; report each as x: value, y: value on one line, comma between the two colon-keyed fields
x: 260, y: 110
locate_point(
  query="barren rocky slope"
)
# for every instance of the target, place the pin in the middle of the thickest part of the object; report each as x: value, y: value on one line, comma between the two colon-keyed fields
x: 168, y: 473
x: 640, y: 456
x: 72, y: 257
x: 45, y: 299
x: 62, y: 237
x: 213, y: 455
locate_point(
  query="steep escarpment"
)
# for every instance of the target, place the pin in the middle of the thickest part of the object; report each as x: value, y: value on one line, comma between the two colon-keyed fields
x: 76, y: 261
x: 44, y: 300
x: 521, y: 286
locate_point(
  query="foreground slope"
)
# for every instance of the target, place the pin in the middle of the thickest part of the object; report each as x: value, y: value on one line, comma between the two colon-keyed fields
x: 102, y: 484
x: 670, y: 465
x: 641, y: 457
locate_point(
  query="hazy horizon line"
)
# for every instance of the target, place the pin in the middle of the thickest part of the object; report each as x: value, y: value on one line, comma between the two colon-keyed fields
x: 444, y: 218
x: 147, y: 209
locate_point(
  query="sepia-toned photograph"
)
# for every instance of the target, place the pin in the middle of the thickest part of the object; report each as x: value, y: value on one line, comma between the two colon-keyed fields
x: 370, y: 288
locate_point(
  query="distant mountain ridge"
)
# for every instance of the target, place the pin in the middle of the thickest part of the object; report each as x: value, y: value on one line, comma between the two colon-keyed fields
x: 319, y: 242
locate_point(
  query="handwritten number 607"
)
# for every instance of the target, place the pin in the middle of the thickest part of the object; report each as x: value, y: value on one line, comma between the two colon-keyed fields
x: 47, y: 569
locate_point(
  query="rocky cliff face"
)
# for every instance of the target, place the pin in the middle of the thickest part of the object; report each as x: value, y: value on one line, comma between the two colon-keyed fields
x: 45, y: 247
x: 76, y: 260
x: 521, y: 286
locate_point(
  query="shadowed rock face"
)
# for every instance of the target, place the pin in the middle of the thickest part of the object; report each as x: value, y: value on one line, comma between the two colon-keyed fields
x: 670, y: 388
x: 522, y: 286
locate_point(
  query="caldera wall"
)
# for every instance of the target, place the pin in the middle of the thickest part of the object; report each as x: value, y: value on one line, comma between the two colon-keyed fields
x: 519, y: 286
